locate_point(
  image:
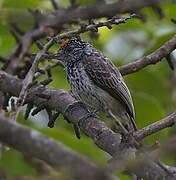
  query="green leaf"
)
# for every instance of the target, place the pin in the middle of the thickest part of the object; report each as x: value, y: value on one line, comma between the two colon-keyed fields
x: 84, y: 146
x: 13, y: 163
x: 153, y: 82
x: 85, y: 2
x: 21, y: 4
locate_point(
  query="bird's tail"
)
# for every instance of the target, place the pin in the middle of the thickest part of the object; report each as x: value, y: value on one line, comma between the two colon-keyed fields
x: 125, y: 123
x: 129, y: 123
x: 132, y: 121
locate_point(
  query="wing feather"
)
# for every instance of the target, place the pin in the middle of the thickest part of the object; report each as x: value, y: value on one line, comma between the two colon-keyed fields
x: 105, y: 75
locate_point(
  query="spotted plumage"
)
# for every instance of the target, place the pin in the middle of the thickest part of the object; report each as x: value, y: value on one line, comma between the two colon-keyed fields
x: 96, y: 81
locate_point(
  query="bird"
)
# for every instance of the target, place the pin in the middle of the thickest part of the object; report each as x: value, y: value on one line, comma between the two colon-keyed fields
x: 97, y: 82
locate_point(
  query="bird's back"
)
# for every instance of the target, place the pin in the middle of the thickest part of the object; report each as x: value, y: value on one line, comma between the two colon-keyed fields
x: 106, y: 76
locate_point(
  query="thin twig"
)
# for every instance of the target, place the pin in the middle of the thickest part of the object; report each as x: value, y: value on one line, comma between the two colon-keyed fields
x: 54, y: 4
x: 2, y: 59
x: 30, y: 76
x: 68, y: 16
x: 17, y: 29
x: 94, y: 27
x: 49, y: 67
x: 153, y: 58
x: 17, y: 39
x: 155, y: 127
x: 82, y: 29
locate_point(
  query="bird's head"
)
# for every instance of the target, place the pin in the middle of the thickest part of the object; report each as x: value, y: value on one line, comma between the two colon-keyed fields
x: 72, y: 46
x: 71, y: 50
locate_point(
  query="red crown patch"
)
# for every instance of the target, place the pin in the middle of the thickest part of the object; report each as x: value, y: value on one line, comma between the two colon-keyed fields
x: 64, y: 43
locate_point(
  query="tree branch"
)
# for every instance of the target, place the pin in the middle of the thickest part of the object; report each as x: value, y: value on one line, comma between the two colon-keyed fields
x: 54, y: 153
x: 169, y: 121
x: 72, y: 15
x: 153, y: 58
x: 133, y: 67
x: 98, y: 10
x: 59, y: 100
x: 29, y: 78
x: 103, y: 137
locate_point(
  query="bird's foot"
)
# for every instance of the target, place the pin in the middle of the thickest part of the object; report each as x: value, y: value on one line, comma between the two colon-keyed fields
x: 131, y: 140
x: 70, y: 109
x: 93, y: 114
x: 88, y: 115
x: 126, y: 133
x: 77, y: 131
x: 118, y: 124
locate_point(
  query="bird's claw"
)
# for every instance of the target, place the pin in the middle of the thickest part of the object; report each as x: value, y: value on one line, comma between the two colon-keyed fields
x: 68, y: 110
x: 77, y: 131
x: 88, y: 115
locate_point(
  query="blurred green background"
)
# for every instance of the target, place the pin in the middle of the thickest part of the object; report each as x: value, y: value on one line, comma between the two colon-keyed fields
x: 152, y: 88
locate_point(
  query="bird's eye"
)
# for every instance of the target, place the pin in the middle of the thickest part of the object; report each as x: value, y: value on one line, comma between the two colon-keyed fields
x: 69, y: 48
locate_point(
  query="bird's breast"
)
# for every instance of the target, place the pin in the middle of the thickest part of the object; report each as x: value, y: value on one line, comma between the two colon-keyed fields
x: 83, y: 88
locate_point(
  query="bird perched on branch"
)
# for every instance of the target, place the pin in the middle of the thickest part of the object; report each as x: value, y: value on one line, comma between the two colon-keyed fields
x: 97, y: 83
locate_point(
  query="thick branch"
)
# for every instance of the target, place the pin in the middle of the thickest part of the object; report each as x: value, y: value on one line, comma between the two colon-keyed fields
x: 73, y: 15
x: 30, y: 75
x: 104, y: 137
x: 59, y: 101
x: 30, y: 36
x: 54, y: 153
x: 99, y: 10
x: 153, y: 58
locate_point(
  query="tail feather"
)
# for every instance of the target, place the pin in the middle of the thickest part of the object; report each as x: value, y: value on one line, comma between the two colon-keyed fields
x: 133, y: 124
x: 130, y: 122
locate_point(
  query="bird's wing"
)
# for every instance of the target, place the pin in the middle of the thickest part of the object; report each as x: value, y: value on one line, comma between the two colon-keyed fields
x: 106, y: 76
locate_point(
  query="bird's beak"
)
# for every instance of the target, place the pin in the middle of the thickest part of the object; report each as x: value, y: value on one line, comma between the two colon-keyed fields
x: 58, y: 56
